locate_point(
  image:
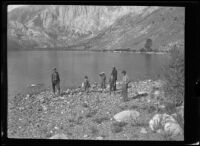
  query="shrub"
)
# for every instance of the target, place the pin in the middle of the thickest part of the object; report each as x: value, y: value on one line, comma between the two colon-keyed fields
x: 174, y: 76
x: 148, y: 44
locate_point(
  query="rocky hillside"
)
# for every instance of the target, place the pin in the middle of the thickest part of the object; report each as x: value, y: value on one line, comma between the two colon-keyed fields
x: 94, y: 27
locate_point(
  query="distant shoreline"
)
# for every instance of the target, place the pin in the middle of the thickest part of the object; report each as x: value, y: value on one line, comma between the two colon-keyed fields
x: 76, y: 50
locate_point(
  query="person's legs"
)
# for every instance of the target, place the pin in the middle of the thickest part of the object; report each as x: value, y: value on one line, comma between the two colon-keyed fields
x: 124, y: 92
x: 110, y: 88
x: 58, y: 87
x: 53, y: 87
x: 101, y: 86
x: 114, y: 87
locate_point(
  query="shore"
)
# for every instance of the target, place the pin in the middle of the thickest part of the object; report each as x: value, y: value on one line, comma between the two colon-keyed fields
x: 81, y: 50
x: 78, y: 115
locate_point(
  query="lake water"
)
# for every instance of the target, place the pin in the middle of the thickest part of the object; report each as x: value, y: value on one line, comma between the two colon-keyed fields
x: 35, y: 67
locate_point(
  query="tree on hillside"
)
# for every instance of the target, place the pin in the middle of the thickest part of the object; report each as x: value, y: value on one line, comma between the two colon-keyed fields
x: 148, y: 45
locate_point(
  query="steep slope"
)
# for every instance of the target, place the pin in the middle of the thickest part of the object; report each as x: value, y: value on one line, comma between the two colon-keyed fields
x: 164, y: 26
x: 93, y: 27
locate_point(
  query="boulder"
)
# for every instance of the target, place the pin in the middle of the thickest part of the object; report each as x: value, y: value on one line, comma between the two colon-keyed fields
x: 155, y: 122
x: 59, y: 136
x: 167, y: 119
x: 165, y: 122
x: 127, y: 116
x: 172, y: 129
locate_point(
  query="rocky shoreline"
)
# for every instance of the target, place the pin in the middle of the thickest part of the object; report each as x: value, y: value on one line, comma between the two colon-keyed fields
x: 78, y: 115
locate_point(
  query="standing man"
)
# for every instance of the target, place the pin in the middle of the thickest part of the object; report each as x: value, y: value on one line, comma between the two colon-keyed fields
x: 125, y: 82
x: 114, y: 73
x: 55, y: 79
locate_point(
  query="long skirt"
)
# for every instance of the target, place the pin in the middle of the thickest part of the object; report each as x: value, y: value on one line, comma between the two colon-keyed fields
x: 114, y: 86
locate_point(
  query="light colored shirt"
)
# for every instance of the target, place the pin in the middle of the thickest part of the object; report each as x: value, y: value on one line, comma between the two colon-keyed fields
x: 125, y: 79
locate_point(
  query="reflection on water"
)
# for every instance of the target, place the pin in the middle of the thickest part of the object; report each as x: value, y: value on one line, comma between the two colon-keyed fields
x: 147, y: 60
x: 26, y: 67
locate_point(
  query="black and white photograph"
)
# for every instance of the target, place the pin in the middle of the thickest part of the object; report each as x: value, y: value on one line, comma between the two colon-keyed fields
x: 95, y: 72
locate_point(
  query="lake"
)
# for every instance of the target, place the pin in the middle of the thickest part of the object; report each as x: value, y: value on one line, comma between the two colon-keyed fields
x: 35, y: 67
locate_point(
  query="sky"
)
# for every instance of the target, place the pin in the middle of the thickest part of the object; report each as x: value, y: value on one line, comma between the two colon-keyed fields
x: 11, y: 7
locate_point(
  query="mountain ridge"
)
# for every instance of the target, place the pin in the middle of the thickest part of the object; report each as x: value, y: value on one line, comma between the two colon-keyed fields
x: 94, y: 27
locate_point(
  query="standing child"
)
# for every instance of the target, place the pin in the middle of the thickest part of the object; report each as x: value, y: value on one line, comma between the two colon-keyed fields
x: 125, y: 82
x: 103, y: 80
x: 86, y: 84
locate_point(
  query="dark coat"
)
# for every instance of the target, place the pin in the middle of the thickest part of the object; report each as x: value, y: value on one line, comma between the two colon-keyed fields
x: 55, y: 77
x: 114, y: 73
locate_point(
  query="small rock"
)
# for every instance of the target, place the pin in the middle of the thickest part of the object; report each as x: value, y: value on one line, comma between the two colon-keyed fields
x: 62, y: 97
x: 85, y: 135
x: 156, y: 93
x: 143, y: 130
x: 59, y: 136
x: 142, y: 92
x: 99, y: 138
x: 161, y: 106
x: 27, y: 96
x: 21, y: 108
x: 44, y: 107
x: 33, y: 85
x: 56, y: 127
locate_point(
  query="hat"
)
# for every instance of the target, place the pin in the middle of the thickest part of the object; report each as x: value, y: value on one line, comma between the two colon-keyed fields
x: 123, y: 71
x: 101, y: 73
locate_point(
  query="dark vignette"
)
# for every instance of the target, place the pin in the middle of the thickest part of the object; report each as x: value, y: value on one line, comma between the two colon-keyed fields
x: 192, y: 111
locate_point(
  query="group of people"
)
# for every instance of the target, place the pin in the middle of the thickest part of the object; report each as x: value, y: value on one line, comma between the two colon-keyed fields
x: 86, y: 84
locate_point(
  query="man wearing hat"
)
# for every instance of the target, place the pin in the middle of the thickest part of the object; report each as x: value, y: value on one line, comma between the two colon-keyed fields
x: 55, y: 79
x: 125, y: 81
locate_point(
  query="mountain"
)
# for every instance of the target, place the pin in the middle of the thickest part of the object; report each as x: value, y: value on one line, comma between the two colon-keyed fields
x: 94, y: 27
